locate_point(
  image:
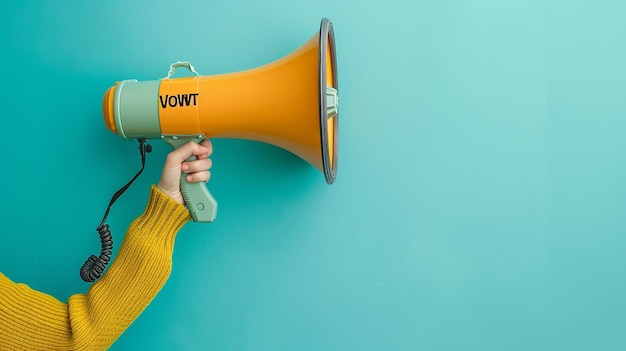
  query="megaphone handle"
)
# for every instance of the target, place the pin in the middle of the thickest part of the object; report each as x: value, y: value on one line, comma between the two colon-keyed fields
x: 200, y: 202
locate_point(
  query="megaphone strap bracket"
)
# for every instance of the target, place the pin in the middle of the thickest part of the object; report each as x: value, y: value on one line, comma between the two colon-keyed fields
x: 177, y: 64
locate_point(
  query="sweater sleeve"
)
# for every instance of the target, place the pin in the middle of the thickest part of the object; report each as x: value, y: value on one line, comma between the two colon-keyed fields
x: 31, y: 320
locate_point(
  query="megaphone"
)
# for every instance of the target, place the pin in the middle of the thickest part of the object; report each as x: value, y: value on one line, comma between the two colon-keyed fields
x: 290, y: 103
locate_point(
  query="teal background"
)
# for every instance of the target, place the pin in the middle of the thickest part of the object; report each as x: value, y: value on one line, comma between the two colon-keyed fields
x: 479, y: 203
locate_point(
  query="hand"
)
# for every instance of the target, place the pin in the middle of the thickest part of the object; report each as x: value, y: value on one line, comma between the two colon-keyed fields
x: 176, y: 164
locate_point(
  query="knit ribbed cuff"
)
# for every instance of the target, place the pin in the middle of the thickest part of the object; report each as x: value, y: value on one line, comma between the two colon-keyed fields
x: 163, y: 217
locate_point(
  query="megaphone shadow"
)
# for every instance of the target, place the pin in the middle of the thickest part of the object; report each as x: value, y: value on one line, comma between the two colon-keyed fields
x: 247, y: 172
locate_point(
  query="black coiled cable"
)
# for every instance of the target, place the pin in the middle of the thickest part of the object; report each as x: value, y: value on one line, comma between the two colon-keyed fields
x: 94, y: 266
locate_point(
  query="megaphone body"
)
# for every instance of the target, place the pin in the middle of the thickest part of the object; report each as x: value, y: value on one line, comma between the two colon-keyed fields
x: 290, y: 103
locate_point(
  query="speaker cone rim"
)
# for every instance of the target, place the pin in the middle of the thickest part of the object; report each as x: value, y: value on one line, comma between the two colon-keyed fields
x: 327, y: 42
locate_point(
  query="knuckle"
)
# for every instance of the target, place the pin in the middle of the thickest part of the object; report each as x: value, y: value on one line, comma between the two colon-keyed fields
x: 203, y: 176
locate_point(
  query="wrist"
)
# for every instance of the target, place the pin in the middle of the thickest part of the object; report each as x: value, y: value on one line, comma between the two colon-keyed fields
x: 173, y: 193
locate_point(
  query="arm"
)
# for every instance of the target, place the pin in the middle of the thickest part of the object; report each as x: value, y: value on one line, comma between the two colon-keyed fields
x: 33, y: 320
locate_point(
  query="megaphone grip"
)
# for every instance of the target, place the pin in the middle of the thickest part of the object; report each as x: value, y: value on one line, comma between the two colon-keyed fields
x: 199, y: 200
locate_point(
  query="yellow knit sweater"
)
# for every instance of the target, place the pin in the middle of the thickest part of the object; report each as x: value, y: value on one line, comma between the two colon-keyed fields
x: 31, y: 320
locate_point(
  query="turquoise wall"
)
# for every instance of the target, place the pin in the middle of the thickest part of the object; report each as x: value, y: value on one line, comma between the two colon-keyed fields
x: 479, y: 203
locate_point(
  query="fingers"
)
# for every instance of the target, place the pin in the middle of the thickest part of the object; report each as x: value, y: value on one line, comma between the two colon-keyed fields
x: 195, y: 170
x: 176, y: 162
x: 198, y: 170
x: 197, y: 165
x: 202, y: 151
x: 207, y: 144
x: 203, y: 176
